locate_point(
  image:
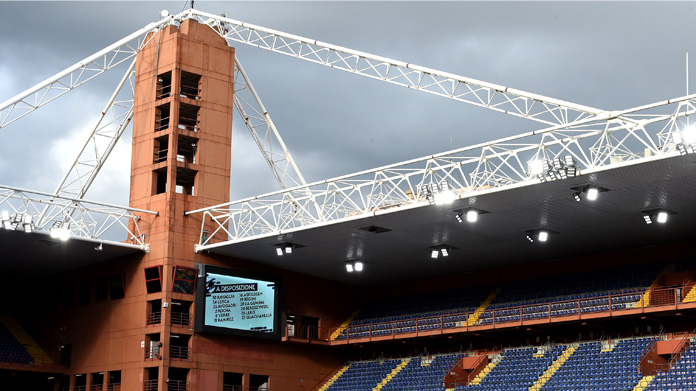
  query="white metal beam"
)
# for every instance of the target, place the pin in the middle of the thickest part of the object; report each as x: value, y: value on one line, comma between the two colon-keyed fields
x: 90, y: 220
x: 478, y: 169
x: 503, y: 99
x: 72, y: 77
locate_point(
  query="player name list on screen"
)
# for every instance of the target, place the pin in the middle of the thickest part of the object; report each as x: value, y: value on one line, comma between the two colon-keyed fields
x: 239, y: 303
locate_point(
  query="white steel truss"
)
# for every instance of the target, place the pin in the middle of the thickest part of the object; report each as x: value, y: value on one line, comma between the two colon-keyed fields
x: 503, y: 164
x: 107, y: 130
x: 264, y: 131
x: 592, y: 137
x: 76, y: 75
x: 503, y: 99
x: 88, y: 220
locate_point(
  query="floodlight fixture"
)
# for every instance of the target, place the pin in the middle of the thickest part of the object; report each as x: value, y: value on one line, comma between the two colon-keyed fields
x: 685, y: 140
x: 444, y: 252
x: 283, y: 248
x: 5, y: 218
x: 472, y: 215
x: 539, y: 234
x: 592, y: 193
x: 434, y: 254
x: 355, y: 266
x: 577, y: 197
x: 657, y: 215
x: 458, y: 216
x: 662, y: 217
x: 537, y: 167
x: 427, y: 191
x: 28, y: 223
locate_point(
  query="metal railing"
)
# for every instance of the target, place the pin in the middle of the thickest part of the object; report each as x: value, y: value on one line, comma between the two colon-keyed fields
x: 163, y: 92
x: 624, y: 303
x: 181, y: 319
x: 150, y: 385
x: 96, y: 387
x: 114, y: 387
x: 153, y: 353
x: 227, y: 387
x: 178, y: 385
x: 162, y: 124
x: 190, y: 91
x: 190, y: 124
x: 154, y: 318
x: 160, y: 155
x: 179, y: 353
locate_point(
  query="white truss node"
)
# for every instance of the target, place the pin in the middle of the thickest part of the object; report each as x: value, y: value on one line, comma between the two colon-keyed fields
x: 503, y: 164
x: 83, y: 219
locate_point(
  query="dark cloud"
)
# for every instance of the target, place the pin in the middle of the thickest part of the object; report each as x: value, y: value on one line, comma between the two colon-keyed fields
x: 606, y: 55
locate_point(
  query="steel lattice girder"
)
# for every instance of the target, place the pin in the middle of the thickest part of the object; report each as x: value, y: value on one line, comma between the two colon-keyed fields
x: 86, y: 219
x: 474, y: 170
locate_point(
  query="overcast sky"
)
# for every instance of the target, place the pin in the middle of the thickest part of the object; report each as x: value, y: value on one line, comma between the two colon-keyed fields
x: 604, y: 55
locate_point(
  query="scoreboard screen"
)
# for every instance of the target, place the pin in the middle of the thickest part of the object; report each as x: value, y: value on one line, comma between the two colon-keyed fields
x: 233, y: 302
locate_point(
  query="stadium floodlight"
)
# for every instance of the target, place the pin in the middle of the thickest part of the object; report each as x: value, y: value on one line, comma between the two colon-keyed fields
x: 592, y: 193
x: 427, y: 191
x: 434, y: 254
x: 279, y: 251
x: 288, y: 248
x: 64, y: 233
x: 458, y: 216
x: 445, y: 194
x: 28, y: 223
x: 538, y: 235
x: 358, y: 266
x: 444, y: 252
x: 576, y: 196
x: 472, y: 215
x: 349, y: 267
x: 685, y: 140
x: 5, y: 217
x: 662, y: 217
x: 536, y: 167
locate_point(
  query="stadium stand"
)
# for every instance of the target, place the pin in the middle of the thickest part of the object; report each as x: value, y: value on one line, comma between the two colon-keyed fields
x: 11, y: 351
x: 595, y: 365
x: 588, y: 292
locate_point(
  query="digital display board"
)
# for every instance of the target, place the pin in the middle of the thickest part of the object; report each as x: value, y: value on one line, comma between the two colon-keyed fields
x: 240, y: 303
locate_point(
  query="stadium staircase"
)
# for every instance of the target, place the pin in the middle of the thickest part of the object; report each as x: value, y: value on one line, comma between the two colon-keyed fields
x: 333, y: 378
x: 552, y: 369
x: 481, y: 375
x: 474, y: 318
x: 391, y: 375
x: 343, y: 326
x: 643, y: 383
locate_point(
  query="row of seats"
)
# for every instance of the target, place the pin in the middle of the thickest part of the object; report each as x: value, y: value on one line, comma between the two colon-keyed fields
x: 585, y: 366
x: 682, y: 375
x: 561, y: 296
x: 11, y: 351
